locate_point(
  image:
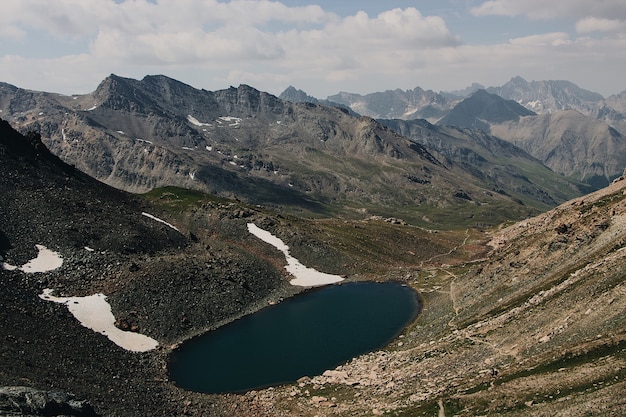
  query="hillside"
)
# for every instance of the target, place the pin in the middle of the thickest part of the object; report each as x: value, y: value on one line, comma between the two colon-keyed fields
x: 540, y: 301
x: 577, y: 146
x: 503, y: 167
x: 533, y: 328
x: 246, y: 144
x: 107, y: 245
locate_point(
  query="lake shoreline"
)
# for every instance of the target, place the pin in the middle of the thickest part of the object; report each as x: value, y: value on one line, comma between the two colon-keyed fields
x: 369, y: 300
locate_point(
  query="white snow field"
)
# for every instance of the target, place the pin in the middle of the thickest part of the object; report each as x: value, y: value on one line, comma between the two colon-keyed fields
x: 94, y: 312
x: 304, y: 276
x: 150, y: 216
x: 45, y: 261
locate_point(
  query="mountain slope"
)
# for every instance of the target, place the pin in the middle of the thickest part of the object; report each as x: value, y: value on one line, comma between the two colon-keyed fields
x: 548, y: 96
x: 482, y: 109
x: 397, y: 104
x: 570, y: 143
x: 149, y: 271
x: 526, y: 320
x: 503, y: 167
x: 558, y: 95
x: 577, y: 146
x: 534, y: 328
x: 244, y: 143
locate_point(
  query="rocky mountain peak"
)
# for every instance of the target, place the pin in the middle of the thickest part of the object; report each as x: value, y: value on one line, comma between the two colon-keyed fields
x: 481, y: 109
x: 546, y: 96
x: 397, y: 104
x: 111, y: 84
x: 297, y: 96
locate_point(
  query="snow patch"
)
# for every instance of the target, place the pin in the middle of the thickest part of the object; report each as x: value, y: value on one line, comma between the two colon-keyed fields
x: 304, y: 276
x: 63, y: 134
x: 94, y: 312
x: 208, y: 148
x: 231, y: 120
x: 187, y: 148
x: 45, y: 261
x: 95, y: 106
x: 196, y: 122
x: 192, y: 175
x: 150, y: 216
x: 410, y: 111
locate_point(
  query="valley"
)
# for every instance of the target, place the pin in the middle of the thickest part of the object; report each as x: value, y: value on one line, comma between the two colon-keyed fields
x: 222, y: 198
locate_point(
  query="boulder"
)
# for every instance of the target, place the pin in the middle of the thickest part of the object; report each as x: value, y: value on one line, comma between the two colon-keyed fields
x: 26, y: 401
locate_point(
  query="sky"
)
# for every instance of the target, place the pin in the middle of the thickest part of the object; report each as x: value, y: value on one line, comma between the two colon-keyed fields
x: 319, y: 46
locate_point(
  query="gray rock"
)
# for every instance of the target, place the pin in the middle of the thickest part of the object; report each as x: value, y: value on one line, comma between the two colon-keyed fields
x: 26, y: 401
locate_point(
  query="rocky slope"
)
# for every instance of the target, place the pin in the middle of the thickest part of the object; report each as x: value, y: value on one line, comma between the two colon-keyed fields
x: 505, y: 167
x: 163, y: 283
x: 536, y: 327
x: 527, y: 320
x: 570, y: 143
x: 240, y: 142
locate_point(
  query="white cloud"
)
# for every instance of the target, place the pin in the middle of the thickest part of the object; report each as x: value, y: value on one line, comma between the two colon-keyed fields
x: 593, y: 24
x: 553, y: 9
x: 85, y: 18
x: 542, y: 40
x: 212, y: 44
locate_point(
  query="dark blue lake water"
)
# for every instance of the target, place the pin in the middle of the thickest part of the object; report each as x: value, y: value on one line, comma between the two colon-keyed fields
x: 302, y: 336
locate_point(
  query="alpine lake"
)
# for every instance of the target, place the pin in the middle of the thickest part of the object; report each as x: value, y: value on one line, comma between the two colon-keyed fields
x: 301, y: 336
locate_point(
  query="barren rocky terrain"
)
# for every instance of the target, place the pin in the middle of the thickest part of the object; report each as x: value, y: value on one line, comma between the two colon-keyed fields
x: 526, y: 319
x: 535, y: 327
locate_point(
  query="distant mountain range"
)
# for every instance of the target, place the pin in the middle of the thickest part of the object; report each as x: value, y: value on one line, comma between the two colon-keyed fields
x: 557, y: 141
x: 481, y: 110
x: 537, y: 96
x: 243, y: 143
